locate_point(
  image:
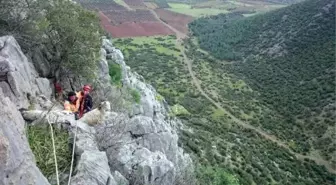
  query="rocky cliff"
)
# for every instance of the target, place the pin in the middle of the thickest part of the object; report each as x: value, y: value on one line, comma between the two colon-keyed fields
x: 136, y: 144
x: 19, y: 83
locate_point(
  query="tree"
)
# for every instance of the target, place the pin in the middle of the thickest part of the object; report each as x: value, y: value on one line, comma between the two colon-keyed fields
x: 69, y: 32
x: 18, y: 18
x: 74, y: 34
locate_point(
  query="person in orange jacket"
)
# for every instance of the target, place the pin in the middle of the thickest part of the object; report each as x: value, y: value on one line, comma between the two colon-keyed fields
x: 72, y: 103
x: 79, y: 103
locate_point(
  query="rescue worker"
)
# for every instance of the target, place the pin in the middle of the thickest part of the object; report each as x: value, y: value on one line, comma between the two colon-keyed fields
x: 85, y: 100
x: 71, y: 104
x: 80, y: 102
x: 58, y: 91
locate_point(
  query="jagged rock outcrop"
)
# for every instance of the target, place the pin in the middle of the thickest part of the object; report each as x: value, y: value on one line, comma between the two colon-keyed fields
x: 20, y: 87
x: 19, y: 80
x: 143, y: 145
x: 92, y: 166
x: 17, y: 163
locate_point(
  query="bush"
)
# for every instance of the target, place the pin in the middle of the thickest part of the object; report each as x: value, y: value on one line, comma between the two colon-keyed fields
x: 115, y: 73
x: 136, y: 95
x: 215, y: 176
x: 41, y: 144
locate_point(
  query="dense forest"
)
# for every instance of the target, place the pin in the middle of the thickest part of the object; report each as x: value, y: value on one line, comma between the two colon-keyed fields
x: 288, y: 56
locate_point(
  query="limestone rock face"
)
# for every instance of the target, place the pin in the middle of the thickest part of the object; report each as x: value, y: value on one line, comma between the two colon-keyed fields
x: 141, y: 145
x: 20, y: 87
x: 17, y: 163
x: 18, y: 78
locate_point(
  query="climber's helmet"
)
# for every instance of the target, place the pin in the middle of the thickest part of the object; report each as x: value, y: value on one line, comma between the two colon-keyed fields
x: 86, y: 89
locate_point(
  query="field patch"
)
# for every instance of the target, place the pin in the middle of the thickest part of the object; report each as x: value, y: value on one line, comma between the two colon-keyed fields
x: 176, y: 20
x: 195, y: 12
x: 103, y: 6
x: 162, y: 44
x: 135, y: 4
x: 151, y: 5
x: 137, y: 16
x: 122, y: 3
x: 123, y: 27
x: 139, y: 29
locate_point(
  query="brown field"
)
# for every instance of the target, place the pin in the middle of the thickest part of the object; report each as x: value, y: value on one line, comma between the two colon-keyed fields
x: 121, y: 22
x: 176, y: 20
x: 104, y: 6
x: 132, y: 29
x: 120, y: 17
x: 135, y: 4
x: 151, y: 5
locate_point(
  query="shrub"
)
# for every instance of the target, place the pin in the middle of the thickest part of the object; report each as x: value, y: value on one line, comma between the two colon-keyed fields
x: 115, y: 73
x: 215, y: 176
x: 136, y: 95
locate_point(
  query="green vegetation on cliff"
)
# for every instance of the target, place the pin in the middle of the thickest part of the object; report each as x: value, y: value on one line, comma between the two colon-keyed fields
x: 41, y: 145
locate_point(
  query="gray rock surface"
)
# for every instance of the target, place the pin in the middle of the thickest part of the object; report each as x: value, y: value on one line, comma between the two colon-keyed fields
x: 142, y: 145
x: 18, y: 77
x: 120, y: 179
x: 40, y: 61
x: 93, y: 169
x: 17, y: 163
x: 20, y: 87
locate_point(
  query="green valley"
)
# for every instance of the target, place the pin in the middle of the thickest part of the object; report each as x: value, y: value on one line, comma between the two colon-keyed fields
x: 258, y: 92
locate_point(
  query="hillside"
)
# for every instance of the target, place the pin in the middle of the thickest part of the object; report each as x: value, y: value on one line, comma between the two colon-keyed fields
x: 287, y: 59
x: 230, y: 123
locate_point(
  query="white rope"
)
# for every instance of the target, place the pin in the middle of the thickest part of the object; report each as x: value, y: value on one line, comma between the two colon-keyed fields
x: 73, y: 153
x: 53, y: 143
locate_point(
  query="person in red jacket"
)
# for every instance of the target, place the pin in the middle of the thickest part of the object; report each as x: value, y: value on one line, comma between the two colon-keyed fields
x: 85, y: 100
x: 58, y: 91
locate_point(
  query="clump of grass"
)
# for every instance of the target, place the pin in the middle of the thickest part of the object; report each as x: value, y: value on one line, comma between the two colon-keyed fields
x: 159, y: 98
x: 41, y: 144
x: 136, y: 95
x: 179, y: 110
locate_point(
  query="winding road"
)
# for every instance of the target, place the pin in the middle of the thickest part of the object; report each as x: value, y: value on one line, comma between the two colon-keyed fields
x: 179, y: 39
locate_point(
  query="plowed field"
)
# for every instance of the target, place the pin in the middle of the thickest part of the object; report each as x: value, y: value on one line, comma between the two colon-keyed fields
x: 176, y: 20
x: 131, y: 29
